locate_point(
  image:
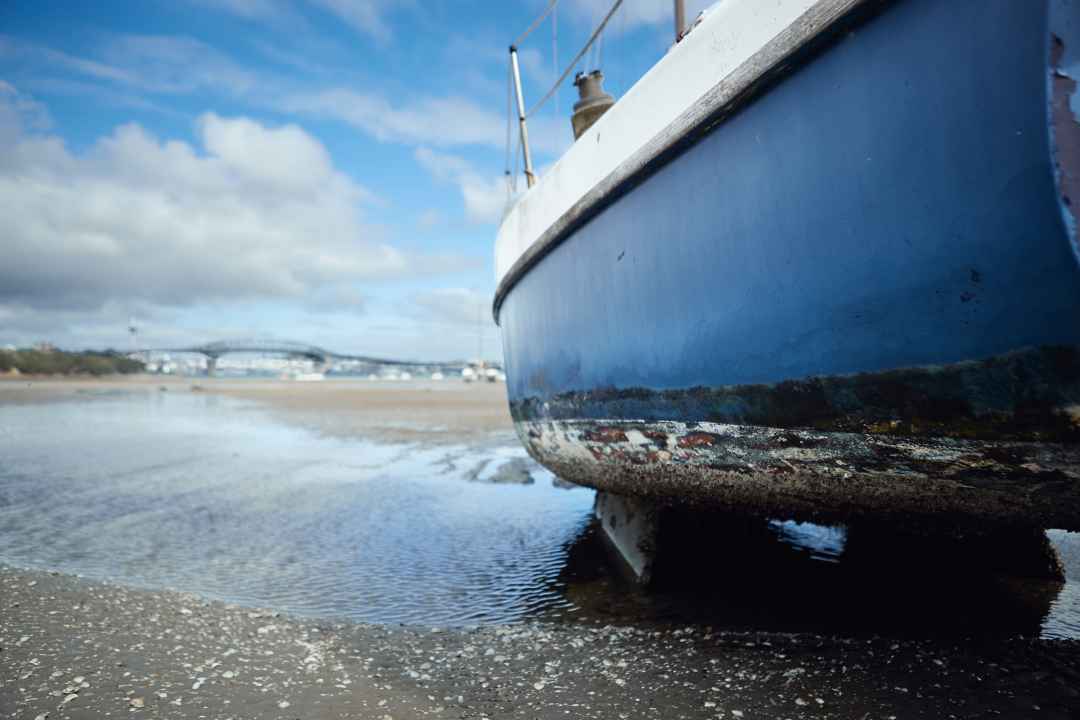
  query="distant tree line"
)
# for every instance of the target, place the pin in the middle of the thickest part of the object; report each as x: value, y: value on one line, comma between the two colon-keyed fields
x: 59, y: 362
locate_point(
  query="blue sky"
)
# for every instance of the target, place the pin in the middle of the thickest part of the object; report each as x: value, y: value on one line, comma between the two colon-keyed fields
x: 328, y: 171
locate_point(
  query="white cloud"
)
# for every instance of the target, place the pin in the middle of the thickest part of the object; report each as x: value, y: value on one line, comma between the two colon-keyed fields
x: 438, y: 121
x: 18, y: 111
x: 248, y: 213
x: 456, y: 322
x: 537, y: 67
x: 284, y: 158
x: 167, y: 64
x: 266, y: 10
x: 175, y: 64
x: 15, y: 49
x: 455, y: 306
x: 485, y: 198
x: 430, y: 218
x: 102, y: 95
x: 367, y: 17
x: 442, y: 166
x: 152, y: 64
x: 634, y: 12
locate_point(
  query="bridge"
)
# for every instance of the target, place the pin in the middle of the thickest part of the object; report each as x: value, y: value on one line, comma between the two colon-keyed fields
x: 321, y: 356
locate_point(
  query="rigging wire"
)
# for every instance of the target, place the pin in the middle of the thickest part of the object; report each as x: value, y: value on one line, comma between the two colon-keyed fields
x: 600, y: 51
x: 596, y: 33
x: 509, y: 129
x: 586, y: 61
x: 555, y: 49
x: 536, y: 22
x: 517, y: 163
x: 619, y: 69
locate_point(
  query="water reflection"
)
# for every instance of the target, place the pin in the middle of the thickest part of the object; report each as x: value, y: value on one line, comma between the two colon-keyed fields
x: 213, y: 495
x: 1063, y: 620
x: 792, y: 577
x: 820, y: 542
x: 208, y: 494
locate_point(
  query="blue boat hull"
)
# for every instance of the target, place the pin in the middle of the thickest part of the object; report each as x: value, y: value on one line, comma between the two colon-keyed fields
x: 858, y: 294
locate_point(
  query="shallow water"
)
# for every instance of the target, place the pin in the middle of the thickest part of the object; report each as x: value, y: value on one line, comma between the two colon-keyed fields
x: 217, y: 496
x: 209, y: 494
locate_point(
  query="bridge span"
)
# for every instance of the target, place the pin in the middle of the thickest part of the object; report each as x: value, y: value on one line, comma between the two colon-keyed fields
x: 321, y: 356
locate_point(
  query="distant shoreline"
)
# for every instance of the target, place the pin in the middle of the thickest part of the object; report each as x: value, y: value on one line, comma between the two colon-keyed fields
x: 48, y: 361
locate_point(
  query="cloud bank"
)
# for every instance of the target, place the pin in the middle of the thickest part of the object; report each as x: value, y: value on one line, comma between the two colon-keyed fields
x: 485, y: 198
x: 248, y: 211
x: 635, y: 13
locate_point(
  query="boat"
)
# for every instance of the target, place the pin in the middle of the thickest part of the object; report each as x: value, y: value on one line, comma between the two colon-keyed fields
x: 820, y: 262
x: 299, y: 376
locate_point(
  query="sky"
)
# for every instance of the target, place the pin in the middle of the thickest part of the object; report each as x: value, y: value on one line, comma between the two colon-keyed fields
x: 323, y: 171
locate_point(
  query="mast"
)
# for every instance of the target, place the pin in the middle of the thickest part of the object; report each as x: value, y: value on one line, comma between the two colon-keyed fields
x: 530, y: 179
x: 680, y: 19
x: 133, y: 331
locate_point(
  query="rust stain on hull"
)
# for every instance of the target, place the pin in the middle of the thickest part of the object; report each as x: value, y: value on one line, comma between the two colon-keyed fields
x: 1027, y: 395
x: 995, y: 441
x: 814, y: 475
x: 605, y: 435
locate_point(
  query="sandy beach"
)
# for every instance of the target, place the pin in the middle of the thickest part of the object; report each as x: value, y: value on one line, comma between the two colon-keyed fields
x: 423, y: 411
x: 72, y: 648
x: 447, y: 411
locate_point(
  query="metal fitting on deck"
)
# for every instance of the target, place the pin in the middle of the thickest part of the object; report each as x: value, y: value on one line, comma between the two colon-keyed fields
x: 593, y: 101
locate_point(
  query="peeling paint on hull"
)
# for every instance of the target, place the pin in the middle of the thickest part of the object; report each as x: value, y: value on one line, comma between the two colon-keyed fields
x: 996, y: 440
x: 1026, y: 395
x: 823, y: 476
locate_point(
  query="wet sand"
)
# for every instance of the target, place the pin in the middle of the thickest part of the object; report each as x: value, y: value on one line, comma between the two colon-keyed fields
x: 73, y: 648
x: 449, y: 411
x: 420, y: 411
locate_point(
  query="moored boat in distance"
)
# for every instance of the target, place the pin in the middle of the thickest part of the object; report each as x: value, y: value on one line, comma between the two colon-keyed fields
x: 821, y: 261
x: 307, y: 376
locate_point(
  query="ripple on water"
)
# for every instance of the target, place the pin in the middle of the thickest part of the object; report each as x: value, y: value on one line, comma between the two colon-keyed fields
x: 212, y: 495
x: 1063, y: 620
x: 185, y: 491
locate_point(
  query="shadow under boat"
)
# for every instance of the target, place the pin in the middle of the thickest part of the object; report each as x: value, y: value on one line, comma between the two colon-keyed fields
x: 756, y: 574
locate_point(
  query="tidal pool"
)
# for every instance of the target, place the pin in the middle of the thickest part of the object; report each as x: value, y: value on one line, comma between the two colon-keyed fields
x: 209, y: 494
x: 222, y: 497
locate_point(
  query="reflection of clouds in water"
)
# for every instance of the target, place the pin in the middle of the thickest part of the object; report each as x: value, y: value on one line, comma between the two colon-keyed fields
x: 214, y: 495
x: 1068, y: 547
x: 188, y: 491
x: 1063, y: 621
x: 822, y: 542
x: 1064, y: 618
